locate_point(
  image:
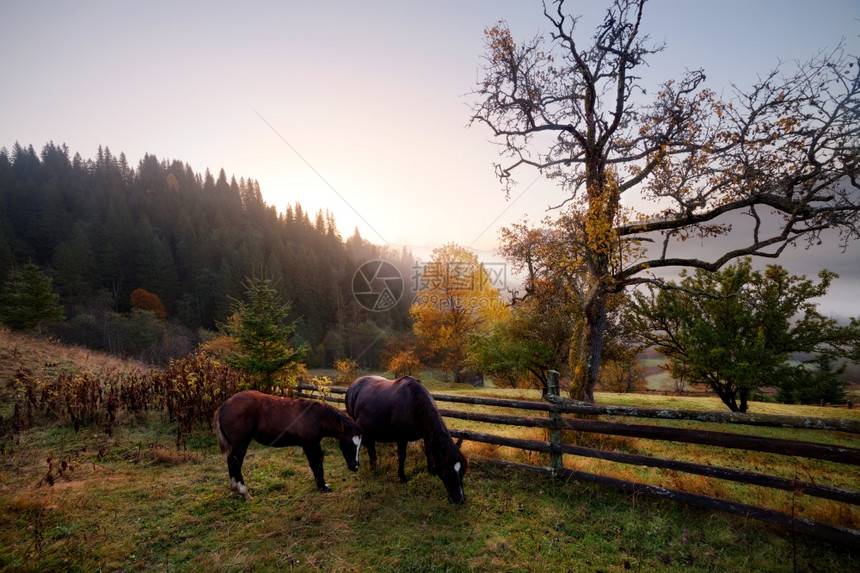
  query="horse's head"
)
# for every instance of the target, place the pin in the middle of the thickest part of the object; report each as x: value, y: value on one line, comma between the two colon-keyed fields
x: 350, y: 445
x: 452, y: 472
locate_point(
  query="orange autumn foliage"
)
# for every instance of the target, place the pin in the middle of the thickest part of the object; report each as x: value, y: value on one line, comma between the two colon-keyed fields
x: 144, y: 300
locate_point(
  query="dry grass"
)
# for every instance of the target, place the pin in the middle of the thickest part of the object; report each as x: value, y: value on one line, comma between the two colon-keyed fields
x: 46, y: 359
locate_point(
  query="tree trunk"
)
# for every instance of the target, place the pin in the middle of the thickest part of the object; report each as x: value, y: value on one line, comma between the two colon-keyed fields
x: 744, y: 392
x: 586, y: 365
x: 728, y: 393
x: 599, y: 240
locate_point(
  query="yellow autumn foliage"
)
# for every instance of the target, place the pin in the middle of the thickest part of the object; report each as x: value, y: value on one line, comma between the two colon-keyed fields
x: 455, y: 298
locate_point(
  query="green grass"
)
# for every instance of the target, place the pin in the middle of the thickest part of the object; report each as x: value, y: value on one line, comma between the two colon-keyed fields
x: 132, y: 502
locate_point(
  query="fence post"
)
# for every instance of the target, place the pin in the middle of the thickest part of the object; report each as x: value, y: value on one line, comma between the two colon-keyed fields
x: 552, y: 391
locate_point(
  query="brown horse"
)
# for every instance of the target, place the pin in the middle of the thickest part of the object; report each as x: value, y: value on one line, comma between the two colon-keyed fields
x: 402, y: 411
x: 278, y: 422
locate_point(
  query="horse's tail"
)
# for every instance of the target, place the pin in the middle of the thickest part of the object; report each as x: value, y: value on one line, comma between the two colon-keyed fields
x: 223, y: 441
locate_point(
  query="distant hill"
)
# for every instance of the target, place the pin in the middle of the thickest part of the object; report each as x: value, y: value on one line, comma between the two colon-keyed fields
x: 102, y: 228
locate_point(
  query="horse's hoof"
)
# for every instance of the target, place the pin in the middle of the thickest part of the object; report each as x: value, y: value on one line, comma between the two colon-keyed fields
x: 325, y: 489
x: 240, y: 488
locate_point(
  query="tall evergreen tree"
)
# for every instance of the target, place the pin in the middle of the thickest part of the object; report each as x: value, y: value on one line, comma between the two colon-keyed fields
x: 262, y: 336
x: 27, y: 302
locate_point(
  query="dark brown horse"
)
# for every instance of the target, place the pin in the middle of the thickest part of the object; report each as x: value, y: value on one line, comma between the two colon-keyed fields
x: 402, y: 411
x: 278, y: 422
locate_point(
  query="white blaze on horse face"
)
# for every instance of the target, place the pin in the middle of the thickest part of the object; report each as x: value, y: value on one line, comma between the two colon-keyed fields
x: 357, y: 441
x: 457, y: 467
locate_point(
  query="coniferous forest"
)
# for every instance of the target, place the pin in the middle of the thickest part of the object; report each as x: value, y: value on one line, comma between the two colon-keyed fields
x: 102, y: 229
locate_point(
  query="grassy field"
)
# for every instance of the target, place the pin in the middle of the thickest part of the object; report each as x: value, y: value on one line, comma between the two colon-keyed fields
x: 135, y: 503
x: 131, y: 501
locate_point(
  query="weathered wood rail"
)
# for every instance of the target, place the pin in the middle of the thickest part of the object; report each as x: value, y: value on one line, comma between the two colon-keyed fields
x: 568, y: 407
x: 812, y: 450
x: 555, y: 422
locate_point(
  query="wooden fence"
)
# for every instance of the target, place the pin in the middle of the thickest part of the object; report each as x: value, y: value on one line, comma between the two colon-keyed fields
x: 555, y: 421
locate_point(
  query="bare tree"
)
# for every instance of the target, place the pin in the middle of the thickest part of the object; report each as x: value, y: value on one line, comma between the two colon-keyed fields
x: 784, y: 153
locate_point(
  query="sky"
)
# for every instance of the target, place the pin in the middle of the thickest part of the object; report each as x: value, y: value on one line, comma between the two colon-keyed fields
x: 360, y: 108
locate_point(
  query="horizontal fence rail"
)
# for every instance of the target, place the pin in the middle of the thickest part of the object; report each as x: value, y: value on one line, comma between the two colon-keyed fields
x: 741, y: 476
x: 567, y: 407
x: 722, y: 439
x: 555, y: 448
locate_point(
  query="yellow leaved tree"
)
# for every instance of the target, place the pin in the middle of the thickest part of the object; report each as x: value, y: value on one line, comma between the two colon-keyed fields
x: 455, y: 298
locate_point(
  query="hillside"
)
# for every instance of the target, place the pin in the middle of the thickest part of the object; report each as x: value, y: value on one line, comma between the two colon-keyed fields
x: 46, y: 358
x: 103, y: 228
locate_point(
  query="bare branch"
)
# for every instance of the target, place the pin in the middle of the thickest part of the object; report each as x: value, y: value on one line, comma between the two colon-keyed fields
x: 785, y: 152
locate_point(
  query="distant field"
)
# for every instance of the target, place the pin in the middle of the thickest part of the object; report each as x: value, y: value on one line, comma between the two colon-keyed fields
x: 656, y: 377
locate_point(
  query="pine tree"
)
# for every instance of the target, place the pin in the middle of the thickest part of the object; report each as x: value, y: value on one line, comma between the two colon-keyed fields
x: 261, y: 336
x: 28, y: 302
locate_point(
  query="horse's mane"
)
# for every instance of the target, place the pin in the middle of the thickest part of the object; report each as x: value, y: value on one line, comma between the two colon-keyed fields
x: 338, y: 419
x: 425, y: 407
x: 435, y: 431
